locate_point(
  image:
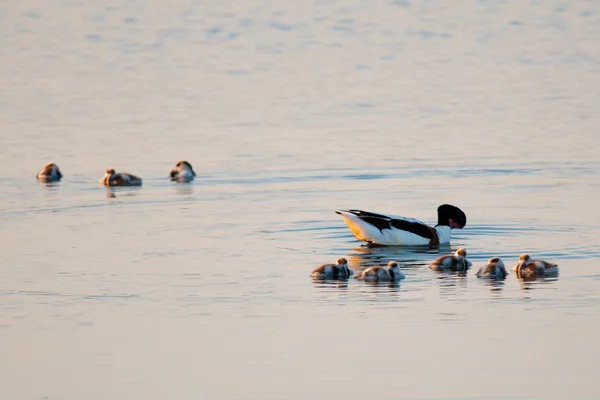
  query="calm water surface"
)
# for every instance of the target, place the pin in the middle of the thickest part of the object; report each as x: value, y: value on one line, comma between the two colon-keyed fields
x: 290, y: 110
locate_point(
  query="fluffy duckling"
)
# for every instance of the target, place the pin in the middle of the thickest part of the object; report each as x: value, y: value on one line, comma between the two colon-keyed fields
x: 494, y: 269
x: 528, y: 269
x: 183, y: 172
x: 378, y: 273
x: 111, y: 178
x: 453, y: 262
x: 339, y: 270
x: 50, y: 173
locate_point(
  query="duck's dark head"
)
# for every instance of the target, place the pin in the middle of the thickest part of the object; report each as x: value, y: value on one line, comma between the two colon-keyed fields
x: 451, y: 216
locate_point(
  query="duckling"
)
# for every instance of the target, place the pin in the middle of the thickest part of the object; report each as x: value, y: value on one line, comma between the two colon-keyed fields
x: 453, y: 262
x: 528, y: 269
x: 183, y: 172
x: 111, y: 178
x: 50, y: 173
x: 378, y: 273
x: 493, y: 270
x: 339, y: 270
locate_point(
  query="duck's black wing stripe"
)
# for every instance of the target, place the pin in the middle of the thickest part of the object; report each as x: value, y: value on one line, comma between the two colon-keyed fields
x: 412, y: 227
x: 360, y: 214
x: 379, y: 223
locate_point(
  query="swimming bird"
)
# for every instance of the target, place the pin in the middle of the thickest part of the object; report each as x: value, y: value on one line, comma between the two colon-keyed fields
x: 111, y: 178
x: 183, y: 172
x: 378, y: 273
x: 528, y: 269
x: 339, y: 270
x: 453, y: 262
x: 379, y: 229
x: 493, y: 270
x: 50, y: 173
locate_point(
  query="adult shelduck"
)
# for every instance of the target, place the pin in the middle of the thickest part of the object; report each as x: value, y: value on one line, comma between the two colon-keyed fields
x: 378, y: 229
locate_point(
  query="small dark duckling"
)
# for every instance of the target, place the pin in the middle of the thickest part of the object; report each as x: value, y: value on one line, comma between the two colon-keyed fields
x: 378, y: 273
x: 528, y: 269
x: 452, y: 262
x: 111, y: 178
x: 339, y: 270
x: 494, y: 269
x: 50, y: 173
x: 183, y: 172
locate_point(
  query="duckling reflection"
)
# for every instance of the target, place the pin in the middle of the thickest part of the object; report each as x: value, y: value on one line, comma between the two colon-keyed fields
x: 451, y: 283
x: 380, y: 286
x: 540, y: 283
x: 184, y: 189
x: 331, y: 284
x: 111, y: 192
x: 495, y: 285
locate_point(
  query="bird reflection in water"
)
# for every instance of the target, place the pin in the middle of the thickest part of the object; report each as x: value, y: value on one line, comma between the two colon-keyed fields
x: 336, y: 284
x: 111, y: 191
x: 451, y: 283
x: 375, y: 286
x: 495, y: 285
x: 186, y: 188
x: 412, y: 257
x: 539, y: 283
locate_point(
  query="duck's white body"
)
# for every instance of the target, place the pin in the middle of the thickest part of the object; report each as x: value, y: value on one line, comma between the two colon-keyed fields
x: 494, y: 269
x: 387, y: 230
x: 339, y: 270
x: 183, y: 172
x: 391, y: 272
x: 452, y: 262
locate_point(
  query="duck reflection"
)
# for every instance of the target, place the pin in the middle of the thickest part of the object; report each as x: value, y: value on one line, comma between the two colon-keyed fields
x: 364, y: 257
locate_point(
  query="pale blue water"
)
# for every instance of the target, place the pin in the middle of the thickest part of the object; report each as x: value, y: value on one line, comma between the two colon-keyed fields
x: 289, y: 111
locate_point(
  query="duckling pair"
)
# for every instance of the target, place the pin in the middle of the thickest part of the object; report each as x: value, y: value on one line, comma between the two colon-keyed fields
x: 340, y: 270
x: 183, y: 172
x: 526, y: 269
